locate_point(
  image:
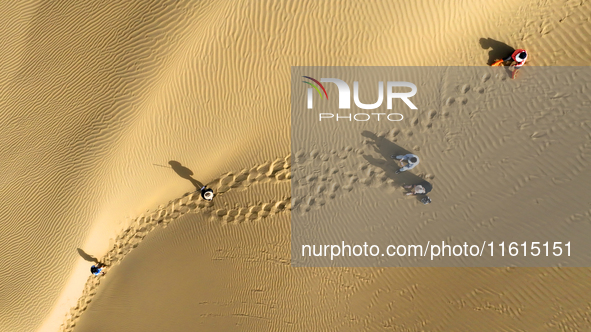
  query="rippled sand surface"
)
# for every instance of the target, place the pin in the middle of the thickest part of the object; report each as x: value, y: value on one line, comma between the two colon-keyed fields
x: 97, y: 100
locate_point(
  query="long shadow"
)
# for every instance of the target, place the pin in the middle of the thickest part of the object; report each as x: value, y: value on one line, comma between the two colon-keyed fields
x: 87, y: 257
x: 185, y: 173
x: 386, y: 149
x: 498, y: 50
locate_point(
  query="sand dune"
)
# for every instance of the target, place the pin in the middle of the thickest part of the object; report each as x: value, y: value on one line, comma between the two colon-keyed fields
x: 506, y: 158
x: 237, y: 278
x: 97, y: 97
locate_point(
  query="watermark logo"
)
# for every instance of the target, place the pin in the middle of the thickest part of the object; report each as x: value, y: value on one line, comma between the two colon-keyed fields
x: 310, y: 91
x: 344, y: 101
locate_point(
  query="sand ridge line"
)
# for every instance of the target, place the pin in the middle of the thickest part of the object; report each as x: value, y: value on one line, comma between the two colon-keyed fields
x: 277, y: 171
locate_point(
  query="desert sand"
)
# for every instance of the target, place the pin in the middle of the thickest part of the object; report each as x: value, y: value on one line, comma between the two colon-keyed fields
x: 97, y: 99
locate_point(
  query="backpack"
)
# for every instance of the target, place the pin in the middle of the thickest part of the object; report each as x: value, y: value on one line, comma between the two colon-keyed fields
x: 425, y: 200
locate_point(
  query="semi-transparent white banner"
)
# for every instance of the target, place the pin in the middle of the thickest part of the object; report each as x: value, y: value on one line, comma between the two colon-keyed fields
x: 441, y: 166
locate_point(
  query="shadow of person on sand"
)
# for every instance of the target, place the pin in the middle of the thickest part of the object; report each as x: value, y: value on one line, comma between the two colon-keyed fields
x: 386, y: 149
x: 498, y: 50
x: 185, y: 173
x: 87, y: 257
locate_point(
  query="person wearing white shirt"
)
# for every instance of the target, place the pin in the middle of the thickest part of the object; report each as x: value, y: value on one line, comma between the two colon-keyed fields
x: 410, y: 159
x: 415, y: 189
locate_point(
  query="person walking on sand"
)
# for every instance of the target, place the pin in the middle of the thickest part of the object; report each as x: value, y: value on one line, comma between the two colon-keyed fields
x: 410, y: 159
x: 415, y: 189
x: 98, y: 269
x: 206, y: 193
x: 519, y: 56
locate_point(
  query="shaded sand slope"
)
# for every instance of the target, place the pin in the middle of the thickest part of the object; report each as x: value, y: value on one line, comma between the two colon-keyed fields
x: 232, y: 272
x: 63, y: 97
x: 249, y: 195
x: 202, y: 275
x: 94, y: 97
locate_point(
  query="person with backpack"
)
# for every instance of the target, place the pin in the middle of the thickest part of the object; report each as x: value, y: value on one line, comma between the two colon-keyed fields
x: 519, y: 57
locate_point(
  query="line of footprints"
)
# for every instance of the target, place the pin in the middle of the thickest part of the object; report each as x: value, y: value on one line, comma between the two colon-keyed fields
x: 271, y: 172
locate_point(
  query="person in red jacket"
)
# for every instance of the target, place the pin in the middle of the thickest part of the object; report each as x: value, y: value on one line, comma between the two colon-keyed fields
x: 519, y: 56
